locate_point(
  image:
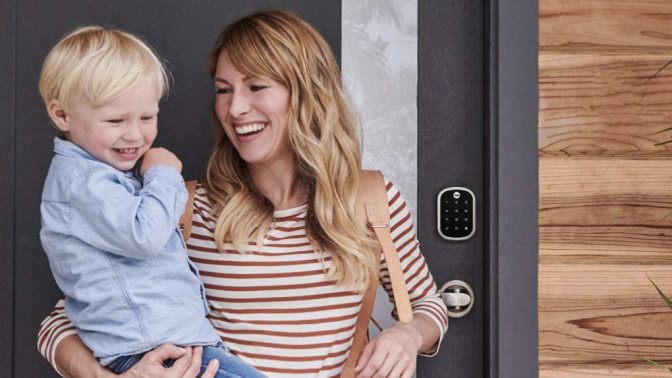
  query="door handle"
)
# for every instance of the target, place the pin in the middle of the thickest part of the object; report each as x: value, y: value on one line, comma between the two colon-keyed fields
x: 459, y: 298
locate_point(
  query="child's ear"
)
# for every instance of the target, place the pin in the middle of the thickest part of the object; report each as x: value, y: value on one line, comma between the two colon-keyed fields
x: 58, y: 116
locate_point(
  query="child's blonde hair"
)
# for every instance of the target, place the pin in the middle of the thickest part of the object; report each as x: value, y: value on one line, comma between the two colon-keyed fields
x: 97, y: 64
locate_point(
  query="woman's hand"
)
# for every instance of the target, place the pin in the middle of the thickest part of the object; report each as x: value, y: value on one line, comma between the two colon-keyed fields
x: 392, y: 354
x: 187, y: 363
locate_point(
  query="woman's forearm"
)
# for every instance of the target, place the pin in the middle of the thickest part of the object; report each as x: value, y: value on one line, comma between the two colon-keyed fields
x: 428, y: 330
x: 74, y: 360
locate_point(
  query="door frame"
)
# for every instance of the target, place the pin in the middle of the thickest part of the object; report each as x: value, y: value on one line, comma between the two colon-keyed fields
x: 512, y: 182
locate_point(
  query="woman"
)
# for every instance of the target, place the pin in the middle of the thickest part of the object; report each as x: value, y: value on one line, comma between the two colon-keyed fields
x: 283, y: 259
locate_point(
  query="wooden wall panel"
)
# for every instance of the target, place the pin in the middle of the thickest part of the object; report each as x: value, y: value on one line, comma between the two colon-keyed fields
x: 605, y: 187
x: 577, y: 26
x: 643, y: 372
x: 599, y: 209
x: 603, y: 105
x: 606, y: 314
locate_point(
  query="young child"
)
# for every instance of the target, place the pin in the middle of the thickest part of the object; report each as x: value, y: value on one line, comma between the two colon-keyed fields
x: 109, y: 224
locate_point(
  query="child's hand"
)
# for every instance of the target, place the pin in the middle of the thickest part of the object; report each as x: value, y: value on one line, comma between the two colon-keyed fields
x: 156, y: 156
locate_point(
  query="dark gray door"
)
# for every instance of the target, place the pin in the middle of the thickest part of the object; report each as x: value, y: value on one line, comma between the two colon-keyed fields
x: 451, y: 129
x: 477, y: 128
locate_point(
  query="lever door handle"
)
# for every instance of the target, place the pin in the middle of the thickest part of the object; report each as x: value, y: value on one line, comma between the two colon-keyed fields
x: 459, y: 298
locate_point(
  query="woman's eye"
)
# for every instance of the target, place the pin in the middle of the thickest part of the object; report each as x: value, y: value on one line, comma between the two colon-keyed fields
x: 222, y: 90
x: 256, y: 88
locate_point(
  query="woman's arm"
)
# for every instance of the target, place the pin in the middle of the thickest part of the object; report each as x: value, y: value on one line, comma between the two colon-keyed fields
x: 59, y: 343
x: 393, y: 353
x: 73, y: 359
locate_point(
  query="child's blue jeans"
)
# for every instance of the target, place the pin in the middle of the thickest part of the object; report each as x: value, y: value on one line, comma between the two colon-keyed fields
x: 230, y: 366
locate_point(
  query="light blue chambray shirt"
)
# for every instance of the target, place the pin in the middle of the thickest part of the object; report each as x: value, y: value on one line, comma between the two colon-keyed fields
x: 115, y: 251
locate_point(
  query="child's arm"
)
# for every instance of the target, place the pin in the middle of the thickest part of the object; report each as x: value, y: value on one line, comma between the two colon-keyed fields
x: 107, y: 215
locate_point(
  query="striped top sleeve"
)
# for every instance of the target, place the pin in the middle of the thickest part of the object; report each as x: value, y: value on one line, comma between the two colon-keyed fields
x: 273, y: 307
x: 52, y: 330
x: 423, y: 293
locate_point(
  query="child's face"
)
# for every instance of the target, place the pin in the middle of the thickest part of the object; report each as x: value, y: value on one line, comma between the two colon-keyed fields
x: 117, y: 133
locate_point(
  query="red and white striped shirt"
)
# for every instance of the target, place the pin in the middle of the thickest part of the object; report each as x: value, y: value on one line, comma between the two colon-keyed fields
x: 274, y: 308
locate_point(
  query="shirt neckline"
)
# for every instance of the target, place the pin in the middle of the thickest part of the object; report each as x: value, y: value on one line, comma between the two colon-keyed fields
x: 289, y: 212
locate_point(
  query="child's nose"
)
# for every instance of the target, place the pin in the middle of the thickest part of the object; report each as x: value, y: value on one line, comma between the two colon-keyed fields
x: 133, y: 132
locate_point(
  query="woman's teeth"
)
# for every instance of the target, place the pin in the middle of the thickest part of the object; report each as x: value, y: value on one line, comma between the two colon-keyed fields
x: 250, y: 128
x: 126, y: 150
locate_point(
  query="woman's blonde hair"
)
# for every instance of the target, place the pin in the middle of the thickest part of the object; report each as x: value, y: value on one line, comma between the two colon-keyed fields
x: 97, y: 64
x: 324, y: 135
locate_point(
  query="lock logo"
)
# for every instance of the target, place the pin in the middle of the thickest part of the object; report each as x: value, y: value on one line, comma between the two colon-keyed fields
x: 456, y: 195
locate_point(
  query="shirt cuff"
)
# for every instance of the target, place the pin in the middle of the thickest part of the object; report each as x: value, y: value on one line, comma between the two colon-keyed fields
x: 443, y: 328
x: 165, y: 172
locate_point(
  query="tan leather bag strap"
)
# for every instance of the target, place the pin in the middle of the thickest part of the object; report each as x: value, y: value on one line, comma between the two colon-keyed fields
x: 372, y: 208
x: 186, y: 219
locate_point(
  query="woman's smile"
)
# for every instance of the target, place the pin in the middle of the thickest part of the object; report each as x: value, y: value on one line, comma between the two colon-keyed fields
x: 247, y: 132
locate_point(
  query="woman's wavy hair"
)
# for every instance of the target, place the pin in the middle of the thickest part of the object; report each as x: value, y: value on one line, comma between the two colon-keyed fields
x: 324, y: 135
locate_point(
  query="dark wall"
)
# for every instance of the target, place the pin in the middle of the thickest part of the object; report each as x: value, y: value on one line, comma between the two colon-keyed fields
x: 183, y: 33
x: 7, y: 169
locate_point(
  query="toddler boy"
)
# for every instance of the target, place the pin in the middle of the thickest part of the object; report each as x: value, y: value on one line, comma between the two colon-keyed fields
x: 109, y: 224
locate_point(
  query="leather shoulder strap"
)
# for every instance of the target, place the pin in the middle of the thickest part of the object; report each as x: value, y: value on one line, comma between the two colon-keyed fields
x: 372, y: 209
x: 372, y: 201
x: 186, y: 219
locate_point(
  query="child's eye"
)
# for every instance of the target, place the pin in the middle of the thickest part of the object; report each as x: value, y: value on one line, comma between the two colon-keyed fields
x: 222, y: 90
x: 115, y: 121
x: 147, y: 118
x: 256, y: 88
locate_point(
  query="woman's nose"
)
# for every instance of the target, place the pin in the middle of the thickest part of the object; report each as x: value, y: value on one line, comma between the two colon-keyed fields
x: 240, y: 104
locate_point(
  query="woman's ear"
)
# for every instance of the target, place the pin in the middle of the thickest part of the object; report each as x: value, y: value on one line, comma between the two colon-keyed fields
x: 58, y: 116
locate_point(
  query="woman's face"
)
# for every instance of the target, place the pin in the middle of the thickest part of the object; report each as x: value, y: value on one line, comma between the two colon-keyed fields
x: 254, y: 113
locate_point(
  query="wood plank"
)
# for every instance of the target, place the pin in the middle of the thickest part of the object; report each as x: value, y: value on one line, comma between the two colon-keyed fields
x: 603, y: 105
x: 598, y: 245
x: 596, y: 210
x: 606, y: 314
x: 569, y: 372
x: 605, y: 25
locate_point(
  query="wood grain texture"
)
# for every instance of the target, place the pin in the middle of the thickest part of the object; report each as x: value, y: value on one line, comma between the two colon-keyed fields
x: 562, y: 372
x: 603, y: 316
x: 578, y: 26
x: 605, y: 187
x: 603, y: 105
x: 602, y: 209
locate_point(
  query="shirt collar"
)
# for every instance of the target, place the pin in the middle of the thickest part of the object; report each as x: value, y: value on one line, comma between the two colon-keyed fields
x: 67, y: 148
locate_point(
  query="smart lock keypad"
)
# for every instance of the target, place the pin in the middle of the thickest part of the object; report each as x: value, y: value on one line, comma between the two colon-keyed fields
x: 456, y: 213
